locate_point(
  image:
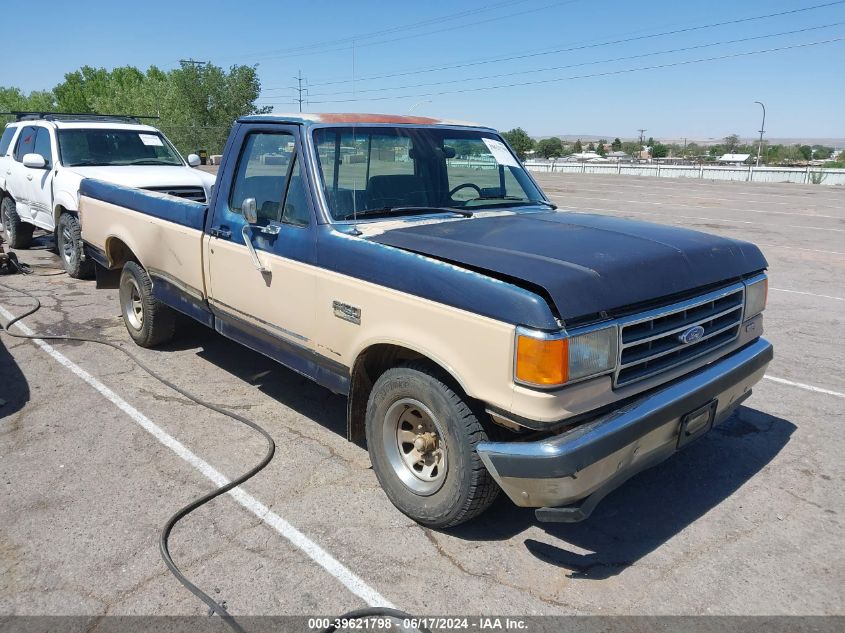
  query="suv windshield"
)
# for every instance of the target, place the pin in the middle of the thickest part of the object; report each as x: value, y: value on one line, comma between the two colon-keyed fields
x: 373, y: 170
x: 90, y: 147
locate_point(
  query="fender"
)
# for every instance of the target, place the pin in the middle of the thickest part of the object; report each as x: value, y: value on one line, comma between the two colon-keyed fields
x: 64, y: 201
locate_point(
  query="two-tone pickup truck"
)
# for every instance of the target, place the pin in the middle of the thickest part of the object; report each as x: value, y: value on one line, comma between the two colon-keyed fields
x: 484, y: 339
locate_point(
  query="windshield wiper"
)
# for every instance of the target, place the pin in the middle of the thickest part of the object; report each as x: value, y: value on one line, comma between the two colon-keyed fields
x: 551, y: 205
x: 409, y: 210
x: 150, y: 161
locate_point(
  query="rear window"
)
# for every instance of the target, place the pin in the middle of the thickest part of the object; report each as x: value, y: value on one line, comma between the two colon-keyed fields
x: 6, y: 140
x: 26, y: 141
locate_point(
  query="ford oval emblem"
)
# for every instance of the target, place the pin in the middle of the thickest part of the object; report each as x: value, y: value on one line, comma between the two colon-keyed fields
x: 692, y: 335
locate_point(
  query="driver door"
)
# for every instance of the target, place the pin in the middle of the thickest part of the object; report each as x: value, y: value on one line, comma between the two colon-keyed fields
x: 264, y: 296
x: 39, y: 181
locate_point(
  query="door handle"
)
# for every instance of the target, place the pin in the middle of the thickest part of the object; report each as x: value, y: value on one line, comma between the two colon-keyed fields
x: 252, y: 254
x: 222, y: 232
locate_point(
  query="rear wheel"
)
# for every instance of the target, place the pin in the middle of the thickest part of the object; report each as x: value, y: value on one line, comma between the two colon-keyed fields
x: 69, y: 244
x: 18, y: 233
x: 422, y: 436
x: 148, y: 321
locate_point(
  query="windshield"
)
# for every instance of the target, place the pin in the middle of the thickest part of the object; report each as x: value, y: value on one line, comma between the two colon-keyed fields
x: 371, y: 170
x: 91, y: 147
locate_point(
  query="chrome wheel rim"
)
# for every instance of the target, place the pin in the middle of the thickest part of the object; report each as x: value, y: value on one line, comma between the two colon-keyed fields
x: 415, y: 446
x: 133, y: 307
x: 67, y: 244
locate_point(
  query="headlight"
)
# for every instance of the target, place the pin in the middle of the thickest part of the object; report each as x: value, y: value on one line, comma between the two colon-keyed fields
x: 756, y: 293
x: 547, y: 360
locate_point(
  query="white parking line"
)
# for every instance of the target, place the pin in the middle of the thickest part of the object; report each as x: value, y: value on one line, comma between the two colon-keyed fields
x: 316, y: 553
x: 811, y: 294
x: 802, y: 385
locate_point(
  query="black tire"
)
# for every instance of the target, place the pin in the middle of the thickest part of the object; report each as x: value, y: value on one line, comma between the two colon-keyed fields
x: 148, y: 321
x: 69, y: 245
x: 18, y: 233
x: 466, y: 489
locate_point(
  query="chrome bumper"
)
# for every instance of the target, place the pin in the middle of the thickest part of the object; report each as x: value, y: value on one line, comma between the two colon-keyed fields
x: 577, y: 468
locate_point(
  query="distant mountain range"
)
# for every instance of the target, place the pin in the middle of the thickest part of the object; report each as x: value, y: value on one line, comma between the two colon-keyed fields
x: 837, y: 142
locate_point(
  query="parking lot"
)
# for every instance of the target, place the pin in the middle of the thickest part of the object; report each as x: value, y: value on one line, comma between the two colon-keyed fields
x: 95, y: 455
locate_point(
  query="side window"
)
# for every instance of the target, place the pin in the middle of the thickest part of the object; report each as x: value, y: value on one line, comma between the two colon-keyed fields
x: 6, y: 140
x: 262, y: 173
x: 26, y: 142
x: 296, y: 201
x: 42, y: 145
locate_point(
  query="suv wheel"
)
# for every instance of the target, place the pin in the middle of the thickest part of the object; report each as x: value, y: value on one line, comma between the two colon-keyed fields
x: 421, y: 436
x: 18, y: 233
x: 148, y: 321
x: 69, y: 244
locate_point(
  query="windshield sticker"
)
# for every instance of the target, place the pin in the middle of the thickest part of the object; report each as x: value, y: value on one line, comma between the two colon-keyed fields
x: 150, y: 139
x: 500, y: 152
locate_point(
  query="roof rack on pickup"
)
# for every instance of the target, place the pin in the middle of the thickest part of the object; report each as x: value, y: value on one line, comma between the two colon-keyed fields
x: 76, y: 116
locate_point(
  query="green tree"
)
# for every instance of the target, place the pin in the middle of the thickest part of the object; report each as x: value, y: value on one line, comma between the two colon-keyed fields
x: 806, y: 152
x: 550, y: 147
x: 13, y: 100
x: 591, y: 147
x: 659, y: 150
x: 731, y: 142
x: 196, y: 106
x: 616, y: 145
x: 578, y: 147
x: 519, y: 141
x: 600, y: 150
x: 632, y: 148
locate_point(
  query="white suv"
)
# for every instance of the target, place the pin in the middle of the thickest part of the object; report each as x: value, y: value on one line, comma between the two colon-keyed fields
x: 44, y: 157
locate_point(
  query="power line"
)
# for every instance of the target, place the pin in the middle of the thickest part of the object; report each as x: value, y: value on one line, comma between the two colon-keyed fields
x: 363, y: 36
x: 543, y: 52
x: 580, y: 64
x: 588, y: 76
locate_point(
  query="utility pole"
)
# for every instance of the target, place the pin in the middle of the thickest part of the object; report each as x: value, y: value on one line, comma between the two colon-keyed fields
x: 192, y: 62
x: 299, y: 89
x: 762, y: 129
x: 642, y: 132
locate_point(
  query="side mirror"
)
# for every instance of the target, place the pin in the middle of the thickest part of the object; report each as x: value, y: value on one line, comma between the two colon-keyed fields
x: 250, y: 210
x: 194, y: 160
x: 35, y: 161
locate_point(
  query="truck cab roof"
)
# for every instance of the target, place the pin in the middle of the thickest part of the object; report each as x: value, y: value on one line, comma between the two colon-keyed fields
x: 353, y: 118
x: 84, y: 125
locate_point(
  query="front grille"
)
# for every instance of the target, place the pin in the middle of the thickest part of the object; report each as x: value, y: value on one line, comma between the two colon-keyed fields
x: 649, y: 343
x: 197, y: 194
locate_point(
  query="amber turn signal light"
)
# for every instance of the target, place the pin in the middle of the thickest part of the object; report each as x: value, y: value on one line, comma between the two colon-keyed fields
x: 542, y: 361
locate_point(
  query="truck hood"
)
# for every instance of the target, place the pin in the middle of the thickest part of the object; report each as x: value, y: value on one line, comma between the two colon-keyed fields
x: 584, y: 264
x: 142, y: 176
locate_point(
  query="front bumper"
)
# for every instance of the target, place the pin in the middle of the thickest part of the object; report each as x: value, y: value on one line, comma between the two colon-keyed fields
x: 577, y: 468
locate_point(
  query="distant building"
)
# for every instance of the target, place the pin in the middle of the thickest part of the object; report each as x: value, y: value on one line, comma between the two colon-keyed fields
x: 733, y: 159
x: 619, y: 157
x: 584, y: 157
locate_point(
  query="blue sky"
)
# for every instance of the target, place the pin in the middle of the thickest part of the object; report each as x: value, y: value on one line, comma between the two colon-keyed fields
x: 803, y: 88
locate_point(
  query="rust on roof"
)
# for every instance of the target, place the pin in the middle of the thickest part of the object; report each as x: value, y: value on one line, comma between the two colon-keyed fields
x: 357, y: 117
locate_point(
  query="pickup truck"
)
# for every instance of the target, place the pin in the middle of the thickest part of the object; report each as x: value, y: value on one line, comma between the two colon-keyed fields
x: 44, y: 157
x: 485, y: 340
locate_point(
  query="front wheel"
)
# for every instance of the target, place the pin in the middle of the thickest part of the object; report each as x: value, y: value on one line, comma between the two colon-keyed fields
x: 69, y: 244
x: 148, y: 321
x: 422, y: 437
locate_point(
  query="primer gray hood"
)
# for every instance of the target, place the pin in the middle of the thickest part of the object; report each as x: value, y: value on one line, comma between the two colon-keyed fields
x: 586, y: 264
